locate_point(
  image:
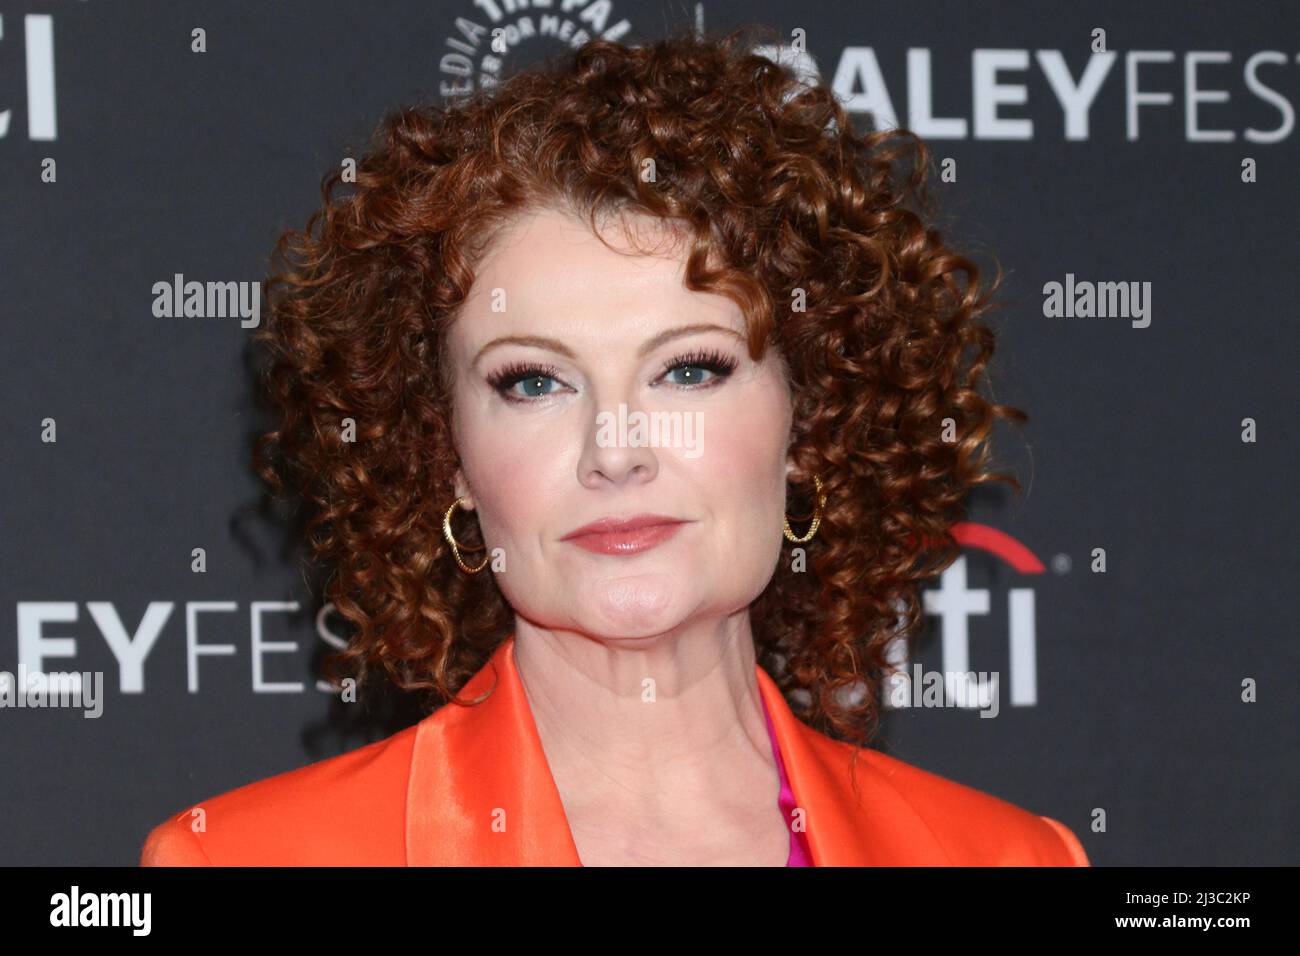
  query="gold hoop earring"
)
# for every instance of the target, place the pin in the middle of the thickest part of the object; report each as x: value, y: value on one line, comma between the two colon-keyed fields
x: 455, y: 548
x: 816, y: 521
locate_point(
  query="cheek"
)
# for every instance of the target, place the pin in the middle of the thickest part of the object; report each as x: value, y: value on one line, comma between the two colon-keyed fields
x: 744, y: 459
x: 514, y: 475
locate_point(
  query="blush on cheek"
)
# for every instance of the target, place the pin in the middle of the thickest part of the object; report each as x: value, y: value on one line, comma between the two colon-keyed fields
x: 503, y: 472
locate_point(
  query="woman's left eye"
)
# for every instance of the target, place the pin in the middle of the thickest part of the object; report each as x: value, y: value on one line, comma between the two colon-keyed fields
x: 690, y: 374
x: 699, y: 369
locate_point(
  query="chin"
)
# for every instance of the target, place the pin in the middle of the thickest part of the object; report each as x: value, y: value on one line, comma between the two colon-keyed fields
x: 630, y: 624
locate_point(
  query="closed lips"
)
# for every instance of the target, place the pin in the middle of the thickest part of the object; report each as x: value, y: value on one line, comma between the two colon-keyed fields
x: 618, y: 525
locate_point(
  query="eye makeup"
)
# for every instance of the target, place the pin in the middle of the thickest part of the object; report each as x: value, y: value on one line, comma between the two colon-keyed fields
x: 719, y: 364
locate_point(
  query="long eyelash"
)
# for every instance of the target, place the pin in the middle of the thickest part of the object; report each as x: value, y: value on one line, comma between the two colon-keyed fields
x: 712, y: 359
x: 511, y: 375
x: 507, y: 378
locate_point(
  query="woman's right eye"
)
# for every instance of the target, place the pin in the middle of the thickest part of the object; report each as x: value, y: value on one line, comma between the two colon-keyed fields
x: 531, y: 379
x: 532, y: 382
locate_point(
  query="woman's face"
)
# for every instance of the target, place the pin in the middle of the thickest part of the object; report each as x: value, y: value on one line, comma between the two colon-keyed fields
x: 559, y: 332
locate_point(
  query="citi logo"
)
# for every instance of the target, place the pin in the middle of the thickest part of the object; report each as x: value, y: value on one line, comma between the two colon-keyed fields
x: 955, y: 602
x: 38, y: 50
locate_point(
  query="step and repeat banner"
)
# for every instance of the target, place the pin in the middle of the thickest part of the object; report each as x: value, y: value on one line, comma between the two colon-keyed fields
x: 1132, y: 167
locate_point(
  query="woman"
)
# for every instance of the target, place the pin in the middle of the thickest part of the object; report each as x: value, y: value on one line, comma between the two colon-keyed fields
x: 549, y: 375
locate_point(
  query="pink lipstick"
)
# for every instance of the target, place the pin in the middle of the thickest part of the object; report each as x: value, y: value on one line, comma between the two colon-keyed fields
x: 630, y: 535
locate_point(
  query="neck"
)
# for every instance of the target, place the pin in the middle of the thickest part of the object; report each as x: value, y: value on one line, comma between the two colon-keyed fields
x: 656, y: 721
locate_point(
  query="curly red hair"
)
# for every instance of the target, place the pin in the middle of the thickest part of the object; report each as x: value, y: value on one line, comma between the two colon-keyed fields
x: 783, y: 204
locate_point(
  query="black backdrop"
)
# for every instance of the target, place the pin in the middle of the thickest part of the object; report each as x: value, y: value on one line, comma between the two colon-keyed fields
x: 1126, y: 708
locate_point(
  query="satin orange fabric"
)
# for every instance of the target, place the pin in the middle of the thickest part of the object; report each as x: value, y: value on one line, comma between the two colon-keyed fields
x: 470, y: 786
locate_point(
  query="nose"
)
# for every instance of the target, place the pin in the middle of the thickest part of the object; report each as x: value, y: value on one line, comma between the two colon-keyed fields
x: 615, y: 451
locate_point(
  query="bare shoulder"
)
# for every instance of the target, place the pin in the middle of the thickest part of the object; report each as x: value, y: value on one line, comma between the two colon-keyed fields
x: 350, y: 808
x: 977, y: 828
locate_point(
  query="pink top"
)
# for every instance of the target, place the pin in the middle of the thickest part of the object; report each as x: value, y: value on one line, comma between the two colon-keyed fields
x: 800, y: 854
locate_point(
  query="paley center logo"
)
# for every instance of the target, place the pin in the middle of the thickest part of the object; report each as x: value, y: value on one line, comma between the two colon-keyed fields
x: 477, y: 50
x: 954, y: 603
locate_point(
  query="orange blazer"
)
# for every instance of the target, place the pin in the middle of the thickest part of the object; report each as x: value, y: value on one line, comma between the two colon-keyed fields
x: 430, y: 794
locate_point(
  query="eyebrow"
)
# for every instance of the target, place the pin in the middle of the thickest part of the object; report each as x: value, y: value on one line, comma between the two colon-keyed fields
x: 555, y: 345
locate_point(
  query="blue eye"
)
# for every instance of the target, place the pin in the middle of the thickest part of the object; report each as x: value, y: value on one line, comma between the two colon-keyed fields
x: 697, y: 365
x: 697, y: 370
x: 532, y: 376
x: 534, y: 381
x: 693, y: 372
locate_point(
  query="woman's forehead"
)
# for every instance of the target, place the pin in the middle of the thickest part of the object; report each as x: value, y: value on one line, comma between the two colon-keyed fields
x: 549, y: 274
x: 542, y: 236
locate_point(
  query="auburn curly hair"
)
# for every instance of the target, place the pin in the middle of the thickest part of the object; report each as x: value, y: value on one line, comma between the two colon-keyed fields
x: 803, y: 222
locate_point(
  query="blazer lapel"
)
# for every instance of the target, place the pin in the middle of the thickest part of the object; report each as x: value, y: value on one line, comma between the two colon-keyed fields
x: 852, y: 819
x: 481, y: 793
